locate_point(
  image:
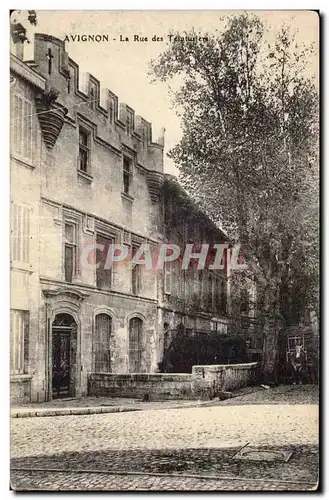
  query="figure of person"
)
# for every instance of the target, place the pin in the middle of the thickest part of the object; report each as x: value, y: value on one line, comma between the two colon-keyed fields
x: 297, y: 363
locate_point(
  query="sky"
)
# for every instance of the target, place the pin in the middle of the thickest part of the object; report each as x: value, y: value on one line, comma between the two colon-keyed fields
x: 123, y: 66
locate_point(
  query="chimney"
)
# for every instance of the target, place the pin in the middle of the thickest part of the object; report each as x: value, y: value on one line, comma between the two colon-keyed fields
x: 18, y: 34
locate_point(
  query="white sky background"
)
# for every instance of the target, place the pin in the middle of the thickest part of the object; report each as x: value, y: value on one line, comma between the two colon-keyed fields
x: 123, y: 66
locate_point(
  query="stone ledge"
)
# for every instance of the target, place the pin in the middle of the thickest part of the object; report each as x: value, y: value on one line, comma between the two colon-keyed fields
x: 20, y: 377
x: 71, y: 411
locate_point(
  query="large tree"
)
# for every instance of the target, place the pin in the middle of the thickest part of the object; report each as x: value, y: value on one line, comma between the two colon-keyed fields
x: 248, y: 154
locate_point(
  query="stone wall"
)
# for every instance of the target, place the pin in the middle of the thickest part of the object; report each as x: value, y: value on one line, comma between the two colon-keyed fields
x: 204, y: 382
x: 158, y: 386
x: 20, y: 389
x: 210, y: 380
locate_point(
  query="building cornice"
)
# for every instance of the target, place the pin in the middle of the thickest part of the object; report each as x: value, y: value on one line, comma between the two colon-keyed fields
x: 75, y: 288
x: 25, y: 72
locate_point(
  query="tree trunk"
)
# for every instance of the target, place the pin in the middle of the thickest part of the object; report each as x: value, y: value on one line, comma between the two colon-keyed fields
x: 270, y: 354
x: 271, y: 340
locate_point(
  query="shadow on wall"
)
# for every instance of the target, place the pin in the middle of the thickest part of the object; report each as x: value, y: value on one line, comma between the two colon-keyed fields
x: 203, y: 348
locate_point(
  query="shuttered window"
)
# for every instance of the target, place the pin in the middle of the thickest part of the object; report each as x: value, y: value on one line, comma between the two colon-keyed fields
x: 20, y: 233
x: 220, y: 295
x: 70, y: 251
x: 103, y: 330
x: 135, y: 345
x: 21, y: 127
x: 18, y: 341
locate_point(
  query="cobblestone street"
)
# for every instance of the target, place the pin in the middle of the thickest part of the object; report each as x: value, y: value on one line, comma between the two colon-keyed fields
x: 144, y: 482
x: 188, y: 442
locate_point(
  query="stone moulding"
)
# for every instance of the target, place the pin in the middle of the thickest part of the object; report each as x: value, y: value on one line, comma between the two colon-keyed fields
x: 78, y: 295
x: 51, y: 116
x: 154, y: 182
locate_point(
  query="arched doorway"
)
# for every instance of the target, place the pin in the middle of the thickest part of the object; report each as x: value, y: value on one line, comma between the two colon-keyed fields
x: 64, y: 341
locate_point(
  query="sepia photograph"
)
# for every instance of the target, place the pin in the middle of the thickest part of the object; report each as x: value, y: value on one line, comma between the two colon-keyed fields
x: 164, y: 250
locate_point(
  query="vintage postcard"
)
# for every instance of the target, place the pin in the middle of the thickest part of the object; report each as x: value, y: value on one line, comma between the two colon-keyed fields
x: 165, y: 309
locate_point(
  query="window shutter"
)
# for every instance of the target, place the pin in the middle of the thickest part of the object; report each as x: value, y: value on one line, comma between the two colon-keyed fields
x: 18, y: 341
x: 20, y: 236
x: 135, y: 345
x: 22, y: 130
x: 103, y: 330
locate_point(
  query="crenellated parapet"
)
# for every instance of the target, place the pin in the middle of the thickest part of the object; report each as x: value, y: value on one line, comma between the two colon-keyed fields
x: 114, y: 123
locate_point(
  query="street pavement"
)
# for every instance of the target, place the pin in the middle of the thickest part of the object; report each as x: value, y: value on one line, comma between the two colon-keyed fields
x: 172, y: 449
x: 305, y: 394
x: 144, y: 482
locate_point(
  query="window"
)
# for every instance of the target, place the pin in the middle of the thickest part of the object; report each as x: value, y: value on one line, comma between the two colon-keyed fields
x: 220, y: 295
x: 135, y: 345
x: 136, y: 275
x: 20, y: 233
x: 244, y: 301
x: 84, y: 150
x: 19, y: 322
x: 127, y: 173
x: 175, y: 278
x: 70, y: 250
x: 103, y: 331
x: 21, y: 123
x: 103, y: 276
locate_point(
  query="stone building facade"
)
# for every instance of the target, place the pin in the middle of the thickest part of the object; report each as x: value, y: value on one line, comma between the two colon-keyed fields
x: 196, y: 298
x: 85, y: 170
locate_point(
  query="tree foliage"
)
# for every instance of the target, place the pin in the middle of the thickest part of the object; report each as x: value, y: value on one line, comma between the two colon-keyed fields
x: 249, y: 152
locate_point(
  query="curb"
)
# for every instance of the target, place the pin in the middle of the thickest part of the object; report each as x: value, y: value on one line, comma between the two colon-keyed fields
x: 71, y: 411
x: 96, y: 410
x: 47, y: 412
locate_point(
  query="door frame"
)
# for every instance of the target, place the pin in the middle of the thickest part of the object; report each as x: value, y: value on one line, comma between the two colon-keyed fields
x: 71, y: 332
x: 60, y: 300
x: 75, y: 374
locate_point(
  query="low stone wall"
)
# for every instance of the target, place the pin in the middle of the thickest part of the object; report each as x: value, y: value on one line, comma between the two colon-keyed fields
x: 210, y: 380
x: 158, y: 386
x: 20, y: 389
x: 204, y: 382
